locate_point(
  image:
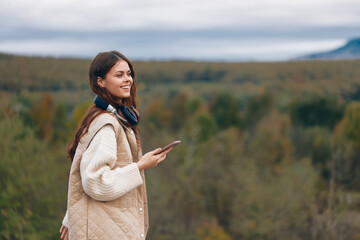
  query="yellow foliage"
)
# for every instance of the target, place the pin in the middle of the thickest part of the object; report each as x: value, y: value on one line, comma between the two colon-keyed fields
x: 352, y: 122
x: 79, y: 111
x: 212, y: 231
x: 43, y: 116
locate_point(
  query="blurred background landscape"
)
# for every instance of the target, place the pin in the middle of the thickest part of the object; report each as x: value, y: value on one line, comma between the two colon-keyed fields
x: 269, y: 150
x: 265, y: 97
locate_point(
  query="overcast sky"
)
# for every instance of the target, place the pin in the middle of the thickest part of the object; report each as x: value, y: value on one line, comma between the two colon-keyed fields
x: 229, y: 30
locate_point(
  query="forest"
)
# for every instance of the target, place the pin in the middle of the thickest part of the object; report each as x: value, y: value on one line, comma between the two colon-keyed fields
x: 270, y: 150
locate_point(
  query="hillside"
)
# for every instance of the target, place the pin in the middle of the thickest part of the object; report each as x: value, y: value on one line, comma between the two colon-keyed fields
x: 351, y: 50
x: 36, y: 74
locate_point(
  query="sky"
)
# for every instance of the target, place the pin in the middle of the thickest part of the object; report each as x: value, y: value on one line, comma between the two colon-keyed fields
x: 201, y: 30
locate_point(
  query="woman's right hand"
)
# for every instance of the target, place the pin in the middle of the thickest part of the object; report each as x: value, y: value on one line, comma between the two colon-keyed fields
x: 151, y: 159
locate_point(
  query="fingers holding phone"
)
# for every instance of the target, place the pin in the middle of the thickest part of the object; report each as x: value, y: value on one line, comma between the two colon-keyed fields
x: 171, y: 145
x: 153, y: 158
x: 167, y: 149
x: 162, y: 154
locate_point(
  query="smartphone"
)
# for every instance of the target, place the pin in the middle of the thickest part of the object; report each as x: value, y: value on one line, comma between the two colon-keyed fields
x: 170, y: 145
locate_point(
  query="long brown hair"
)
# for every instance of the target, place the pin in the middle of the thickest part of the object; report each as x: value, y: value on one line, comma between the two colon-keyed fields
x: 99, y: 67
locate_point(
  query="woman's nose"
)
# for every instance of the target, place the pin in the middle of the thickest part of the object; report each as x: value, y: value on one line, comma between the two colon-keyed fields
x: 128, y: 78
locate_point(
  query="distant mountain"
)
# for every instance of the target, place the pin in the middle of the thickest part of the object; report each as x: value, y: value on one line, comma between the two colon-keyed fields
x: 351, y: 50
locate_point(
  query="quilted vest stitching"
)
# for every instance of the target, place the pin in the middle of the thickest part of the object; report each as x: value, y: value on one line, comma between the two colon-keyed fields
x: 123, y: 218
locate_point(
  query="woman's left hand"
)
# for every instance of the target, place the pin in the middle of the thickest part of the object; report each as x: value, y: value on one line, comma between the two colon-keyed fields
x: 64, y: 233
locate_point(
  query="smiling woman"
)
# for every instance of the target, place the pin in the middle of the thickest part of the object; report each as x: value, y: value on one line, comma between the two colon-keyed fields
x: 118, y: 80
x: 107, y: 193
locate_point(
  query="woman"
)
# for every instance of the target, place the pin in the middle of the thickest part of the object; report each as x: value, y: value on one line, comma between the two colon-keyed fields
x: 107, y: 193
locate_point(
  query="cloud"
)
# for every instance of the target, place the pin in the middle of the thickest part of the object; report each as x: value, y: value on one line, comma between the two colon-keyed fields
x: 161, y: 29
x: 187, y: 14
x: 187, y: 48
x: 60, y: 47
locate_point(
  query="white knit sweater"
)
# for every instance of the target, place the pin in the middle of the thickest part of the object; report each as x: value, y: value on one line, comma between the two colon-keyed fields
x: 99, y: 180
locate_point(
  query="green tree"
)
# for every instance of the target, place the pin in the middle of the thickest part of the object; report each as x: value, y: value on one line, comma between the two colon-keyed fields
x: 257, y: 107
x: 206, y: 125
x: 316, y: 111
x: 225, y: 109
x: 32, y: 182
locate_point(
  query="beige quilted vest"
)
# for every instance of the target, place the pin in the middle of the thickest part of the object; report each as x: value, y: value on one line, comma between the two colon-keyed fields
x: 123, y: 218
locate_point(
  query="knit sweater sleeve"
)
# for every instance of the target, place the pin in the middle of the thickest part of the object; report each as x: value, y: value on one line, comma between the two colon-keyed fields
x: 65, y: 221
x: 100, y: 179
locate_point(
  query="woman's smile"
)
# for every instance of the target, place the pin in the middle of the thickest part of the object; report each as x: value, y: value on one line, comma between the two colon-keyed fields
x: 127, y: 87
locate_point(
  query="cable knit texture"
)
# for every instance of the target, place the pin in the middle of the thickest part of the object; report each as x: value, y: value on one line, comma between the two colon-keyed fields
x: 107, y: 193
x: 100, y: 179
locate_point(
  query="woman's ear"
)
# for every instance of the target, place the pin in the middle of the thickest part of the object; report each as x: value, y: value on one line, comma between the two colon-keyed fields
x: 101, y: 82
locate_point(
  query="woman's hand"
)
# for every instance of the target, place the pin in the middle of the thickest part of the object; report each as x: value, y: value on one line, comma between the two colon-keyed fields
x: 151, y: 159
x: 64, y: 233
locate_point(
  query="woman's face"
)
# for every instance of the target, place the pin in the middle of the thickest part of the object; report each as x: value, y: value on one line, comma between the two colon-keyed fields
x: 118, y: 80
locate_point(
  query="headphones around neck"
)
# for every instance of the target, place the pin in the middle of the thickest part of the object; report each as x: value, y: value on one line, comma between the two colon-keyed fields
x: 128, y: 115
